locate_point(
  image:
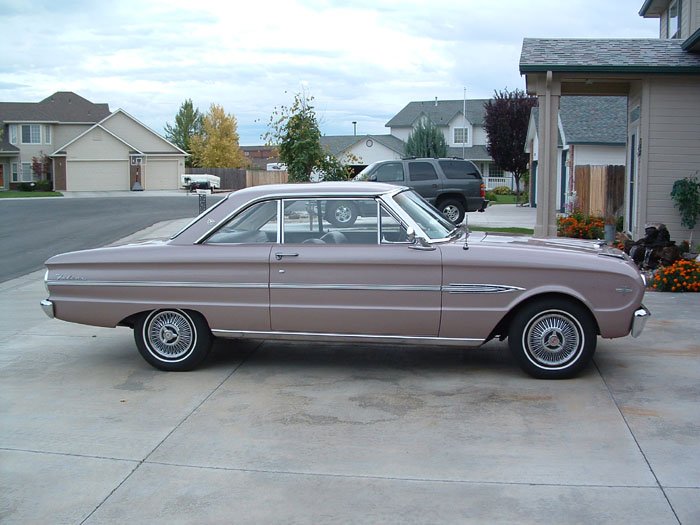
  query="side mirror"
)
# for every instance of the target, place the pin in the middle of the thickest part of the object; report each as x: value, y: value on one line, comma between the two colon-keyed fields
x: 373, y: 177
x: 411, y: 235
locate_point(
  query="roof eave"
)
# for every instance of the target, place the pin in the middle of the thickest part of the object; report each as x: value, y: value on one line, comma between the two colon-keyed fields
x: 692, y: 43
x: 678, y: 70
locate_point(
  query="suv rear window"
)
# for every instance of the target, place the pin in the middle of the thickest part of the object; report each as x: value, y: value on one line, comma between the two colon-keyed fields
x: 459, y: 169
x: 421, y: 171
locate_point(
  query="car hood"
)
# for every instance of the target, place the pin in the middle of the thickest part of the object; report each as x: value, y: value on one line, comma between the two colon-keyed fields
x: 591, y: 247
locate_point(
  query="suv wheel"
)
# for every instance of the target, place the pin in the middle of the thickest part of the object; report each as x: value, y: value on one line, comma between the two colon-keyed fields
x: 341, y: 214
x: 453, y: 210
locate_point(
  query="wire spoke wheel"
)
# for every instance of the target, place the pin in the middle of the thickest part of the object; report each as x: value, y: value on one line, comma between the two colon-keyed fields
x: 170, y: 334
x: 553, y: 338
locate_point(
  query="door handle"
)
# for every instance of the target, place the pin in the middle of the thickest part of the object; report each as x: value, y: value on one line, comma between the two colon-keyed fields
x: 279, y: 255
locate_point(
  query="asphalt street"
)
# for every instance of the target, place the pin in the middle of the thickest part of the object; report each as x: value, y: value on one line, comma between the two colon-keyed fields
x: 32, y: 230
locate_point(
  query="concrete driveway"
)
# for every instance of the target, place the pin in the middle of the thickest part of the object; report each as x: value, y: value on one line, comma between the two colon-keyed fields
x: 272, y: 432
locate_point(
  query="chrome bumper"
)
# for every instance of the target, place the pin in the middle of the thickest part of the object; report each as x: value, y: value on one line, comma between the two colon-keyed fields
x: 47, y: 306
x: 640, y: 319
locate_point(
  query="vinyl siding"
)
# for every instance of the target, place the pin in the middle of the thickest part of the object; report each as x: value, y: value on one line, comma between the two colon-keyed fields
x: 694, y: 16
x: 98, y: 145
x: 673, y: 147
x: 599, y: 155
x: 136, y: 135
x: 64, y: 133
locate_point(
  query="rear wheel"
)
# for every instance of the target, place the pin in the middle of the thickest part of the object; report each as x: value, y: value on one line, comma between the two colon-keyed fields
x: 453, y: 210
x: 552, y: 339
x: 173, y: 340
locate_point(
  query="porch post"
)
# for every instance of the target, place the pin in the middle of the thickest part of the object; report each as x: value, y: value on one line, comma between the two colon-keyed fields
x: 548, y: 93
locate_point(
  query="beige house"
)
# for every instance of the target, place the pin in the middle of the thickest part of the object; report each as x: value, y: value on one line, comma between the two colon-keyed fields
x: 91, y: 148
x: 115, y: 154
x: 660, y: 79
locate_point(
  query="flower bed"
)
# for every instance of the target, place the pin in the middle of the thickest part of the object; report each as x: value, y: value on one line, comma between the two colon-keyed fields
x: 580, y: 226
x: 681, y: 276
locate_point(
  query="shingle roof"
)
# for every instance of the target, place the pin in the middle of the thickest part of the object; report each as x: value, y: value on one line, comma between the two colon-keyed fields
x: 592, y: 120
x: 479, y: 153
x: 440, y: 114
x: 650, y: 55
x: 62, y: 106
x: 336, y: 144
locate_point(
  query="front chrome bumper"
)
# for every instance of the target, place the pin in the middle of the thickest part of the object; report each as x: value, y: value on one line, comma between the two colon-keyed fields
x: 47, y: 306
x: 639, y: 320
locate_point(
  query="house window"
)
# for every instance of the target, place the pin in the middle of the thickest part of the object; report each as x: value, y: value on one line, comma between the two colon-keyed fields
x: 15, y: 174
x: 13, y: 133
x: 27, y: 173
x: 31, y: 134
x: 674, y: 19
x: 495, y: 171
x: 47, y: 134
x: 461, y: 135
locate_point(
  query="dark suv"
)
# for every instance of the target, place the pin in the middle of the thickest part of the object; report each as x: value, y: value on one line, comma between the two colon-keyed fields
x: 453, y: 186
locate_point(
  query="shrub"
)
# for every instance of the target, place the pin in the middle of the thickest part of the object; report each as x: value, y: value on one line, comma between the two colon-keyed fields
x: 43, y: 185
x: 580, y: 226
x: 503, y: 190
x: 27, y: 186
x: 490, y: 196
x: 681, y: 276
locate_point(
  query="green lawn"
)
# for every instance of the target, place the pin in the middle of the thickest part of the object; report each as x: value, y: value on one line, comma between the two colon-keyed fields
x: 25, y: 194
x: 505, y: 199
x: 526, y: 231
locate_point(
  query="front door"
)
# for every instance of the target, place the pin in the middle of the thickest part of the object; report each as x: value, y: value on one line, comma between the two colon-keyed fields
x: 361, y: 279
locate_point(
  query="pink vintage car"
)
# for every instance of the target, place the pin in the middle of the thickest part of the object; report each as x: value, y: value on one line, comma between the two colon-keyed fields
x: 266, y: 263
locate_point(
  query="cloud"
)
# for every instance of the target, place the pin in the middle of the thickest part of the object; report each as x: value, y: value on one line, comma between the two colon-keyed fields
x: 363, y: 61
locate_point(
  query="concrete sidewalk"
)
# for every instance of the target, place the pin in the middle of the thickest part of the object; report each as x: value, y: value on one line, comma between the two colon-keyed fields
x: 504, y: 216
x: 271, y: 432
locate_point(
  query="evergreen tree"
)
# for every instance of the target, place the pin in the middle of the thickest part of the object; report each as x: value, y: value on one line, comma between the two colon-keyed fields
x: 426, y: 140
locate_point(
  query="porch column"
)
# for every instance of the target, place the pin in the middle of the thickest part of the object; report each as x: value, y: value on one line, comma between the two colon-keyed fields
x: 548, y: 94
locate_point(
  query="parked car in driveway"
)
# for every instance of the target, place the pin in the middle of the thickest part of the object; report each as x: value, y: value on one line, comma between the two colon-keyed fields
x: 453, y: 186
x: 267, y: 263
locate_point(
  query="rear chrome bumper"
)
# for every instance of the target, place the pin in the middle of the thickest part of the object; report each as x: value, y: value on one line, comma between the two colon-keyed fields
x: 640, y: 319
x: 47, y: 306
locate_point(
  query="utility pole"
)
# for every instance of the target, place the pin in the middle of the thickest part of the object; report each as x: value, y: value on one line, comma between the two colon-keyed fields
x: 354, y: 127
x: 464, y: 123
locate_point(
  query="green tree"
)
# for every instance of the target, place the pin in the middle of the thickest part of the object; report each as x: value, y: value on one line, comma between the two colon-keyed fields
x: 294, y: 130
x: 426, y: 140
x: 217, y: 144
x: 188, y: 122
x: 505, y: 123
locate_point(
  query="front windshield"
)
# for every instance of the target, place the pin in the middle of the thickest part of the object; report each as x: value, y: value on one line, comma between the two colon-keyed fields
x: 365, y: 173
x: 424, y: 215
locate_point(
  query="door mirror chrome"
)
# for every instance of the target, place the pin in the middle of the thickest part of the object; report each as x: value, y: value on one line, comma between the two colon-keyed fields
x: 411, y: 235
x: 419, y: 243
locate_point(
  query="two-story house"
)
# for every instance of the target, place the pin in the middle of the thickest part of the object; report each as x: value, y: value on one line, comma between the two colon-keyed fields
x: 660, y: 79
x: 90, y: 148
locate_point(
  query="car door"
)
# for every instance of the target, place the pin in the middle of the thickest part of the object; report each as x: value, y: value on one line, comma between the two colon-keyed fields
x: 424, y: 179
x: 358, y: 280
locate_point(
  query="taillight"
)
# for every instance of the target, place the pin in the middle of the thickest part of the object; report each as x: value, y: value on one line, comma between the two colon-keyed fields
x: 483, y: 189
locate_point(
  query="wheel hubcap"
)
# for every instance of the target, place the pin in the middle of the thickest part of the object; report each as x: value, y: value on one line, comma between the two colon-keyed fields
x: 170, y: 334
x: 342, y: 214
x: 553, y: 338
x: 451, y: 212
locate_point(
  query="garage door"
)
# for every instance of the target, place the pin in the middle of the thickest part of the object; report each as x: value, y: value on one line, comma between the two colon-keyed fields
x: 161, y: 175
x: 97, y: 175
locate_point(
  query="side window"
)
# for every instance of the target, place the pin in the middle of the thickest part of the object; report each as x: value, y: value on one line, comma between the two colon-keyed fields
x: 392, y: 231
x: 330, y: 221
x: 459, y: 169
x: 254, y: 225
x: 390, y: 172
x: 421, y: 171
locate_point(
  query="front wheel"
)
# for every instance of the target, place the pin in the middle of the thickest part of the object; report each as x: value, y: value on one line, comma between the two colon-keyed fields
x: 552, y: 339
x: 173, y: 340
x: 453, y: 210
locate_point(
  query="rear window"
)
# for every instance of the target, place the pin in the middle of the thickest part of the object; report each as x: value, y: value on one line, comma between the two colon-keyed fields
x: 459, y: 169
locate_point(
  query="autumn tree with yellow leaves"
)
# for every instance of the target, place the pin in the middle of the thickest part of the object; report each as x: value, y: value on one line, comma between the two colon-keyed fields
x: 217, y: 145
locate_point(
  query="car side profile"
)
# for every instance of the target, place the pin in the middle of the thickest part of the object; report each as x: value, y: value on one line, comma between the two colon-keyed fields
x: 266, y: 263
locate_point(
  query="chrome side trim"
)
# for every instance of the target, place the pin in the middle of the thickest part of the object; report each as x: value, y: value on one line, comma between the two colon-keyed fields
x: 640, y: 318
x: 379, y: 287
x: 332, y: 337
x: 480, y: 288
x: 165, y: 284
x: 47, y: 307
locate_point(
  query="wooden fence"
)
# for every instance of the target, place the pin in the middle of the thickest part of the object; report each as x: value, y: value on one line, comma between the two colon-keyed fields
x: 600, y: 190
x: 235, y: 179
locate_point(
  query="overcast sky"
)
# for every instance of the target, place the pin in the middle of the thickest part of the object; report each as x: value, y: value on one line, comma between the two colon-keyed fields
x: 362, y: 60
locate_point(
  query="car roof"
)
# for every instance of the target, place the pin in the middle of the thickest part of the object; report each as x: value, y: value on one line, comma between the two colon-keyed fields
x: 315, y: 188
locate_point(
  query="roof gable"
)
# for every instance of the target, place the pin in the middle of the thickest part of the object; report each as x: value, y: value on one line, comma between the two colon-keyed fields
x: 440, y: 113
x: 144, y: 138
x: 336, y: 144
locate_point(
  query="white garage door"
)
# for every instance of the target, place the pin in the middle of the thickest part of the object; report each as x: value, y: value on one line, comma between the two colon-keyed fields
x: 161, y: 175
x: 97, y: 175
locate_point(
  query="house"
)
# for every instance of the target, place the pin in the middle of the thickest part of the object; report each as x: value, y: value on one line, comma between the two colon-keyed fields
x: 465, y: 137
x: 260, y: 156
x: 592, y: 131
x: 90, y: 147
x: 660, y: 79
